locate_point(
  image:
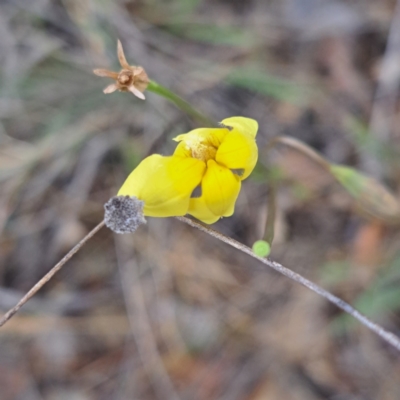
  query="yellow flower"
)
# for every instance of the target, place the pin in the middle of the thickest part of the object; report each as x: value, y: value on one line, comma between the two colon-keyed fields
x: 202, y: 177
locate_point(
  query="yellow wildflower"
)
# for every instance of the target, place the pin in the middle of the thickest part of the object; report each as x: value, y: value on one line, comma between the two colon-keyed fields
x: 202, y: 177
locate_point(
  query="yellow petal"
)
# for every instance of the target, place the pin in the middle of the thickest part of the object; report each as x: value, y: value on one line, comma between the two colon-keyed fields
x: 220, y: 189
x: 210, y: 136
x: 238, y: 151
x: 242, y: 124
x: 164, y: 184
x: 199, y: 210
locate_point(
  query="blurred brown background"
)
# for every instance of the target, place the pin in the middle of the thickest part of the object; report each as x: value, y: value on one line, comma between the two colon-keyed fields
x: 169, y: 313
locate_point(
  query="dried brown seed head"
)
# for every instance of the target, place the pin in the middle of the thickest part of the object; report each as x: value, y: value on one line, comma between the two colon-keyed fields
x: 129, y: 79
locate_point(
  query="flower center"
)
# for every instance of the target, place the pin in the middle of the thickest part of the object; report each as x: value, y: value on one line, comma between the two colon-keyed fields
x: 125, y: 77
x: 200, y: 150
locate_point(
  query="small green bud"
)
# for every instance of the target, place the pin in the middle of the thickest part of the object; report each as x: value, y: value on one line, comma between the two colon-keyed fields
x: 261, y: 248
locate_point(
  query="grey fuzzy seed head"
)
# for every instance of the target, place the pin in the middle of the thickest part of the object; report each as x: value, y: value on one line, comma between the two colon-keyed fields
x: 124, y: 214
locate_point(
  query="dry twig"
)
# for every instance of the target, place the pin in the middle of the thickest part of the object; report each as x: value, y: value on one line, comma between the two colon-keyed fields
x: 50, y: 274
x: 384, y: 334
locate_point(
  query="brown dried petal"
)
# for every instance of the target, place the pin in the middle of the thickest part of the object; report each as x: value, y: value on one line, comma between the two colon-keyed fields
x: 141, y: 80
x: 140, y: 74
x: 137, y: 71
x: 105, y: 73
x: 121, y: 56
x: 110, y: 88
x: 136, y: 92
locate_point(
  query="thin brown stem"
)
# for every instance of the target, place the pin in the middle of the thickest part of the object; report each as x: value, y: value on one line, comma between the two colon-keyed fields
x: 49, y: 275
x: 300, y: 147
x: 383, y: 333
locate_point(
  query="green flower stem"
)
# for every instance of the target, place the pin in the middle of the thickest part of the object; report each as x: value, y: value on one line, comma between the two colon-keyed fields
x: 271, y: 210
x: 180, y: 103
